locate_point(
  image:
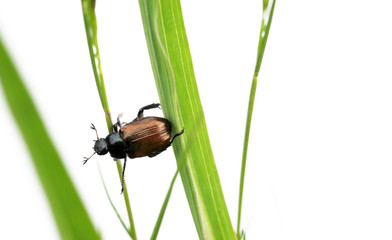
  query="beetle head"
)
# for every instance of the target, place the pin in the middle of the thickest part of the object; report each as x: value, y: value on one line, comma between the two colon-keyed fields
x: 101, y: 146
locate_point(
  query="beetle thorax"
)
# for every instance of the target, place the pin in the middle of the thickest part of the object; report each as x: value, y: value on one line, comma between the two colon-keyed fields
x: 116, y: 145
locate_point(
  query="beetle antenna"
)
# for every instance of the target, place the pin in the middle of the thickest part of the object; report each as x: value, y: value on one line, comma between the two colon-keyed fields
x: 86, y: 159
x: 93, y: 128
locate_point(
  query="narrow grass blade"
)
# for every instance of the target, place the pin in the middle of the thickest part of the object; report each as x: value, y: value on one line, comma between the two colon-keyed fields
x: 111, y: 203
x: 268, y: 11
x: 181, y: 161
x: 176, y: 84
x: 68, y: 210
x: 155, y: 232
x: 90, y: 23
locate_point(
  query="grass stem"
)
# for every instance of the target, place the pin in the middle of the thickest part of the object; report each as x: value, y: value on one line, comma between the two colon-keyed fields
x: 90, y: 23
x: 264, y: 32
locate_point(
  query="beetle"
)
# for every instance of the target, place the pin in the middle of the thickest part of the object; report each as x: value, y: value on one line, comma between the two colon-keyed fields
x: 144, y: 136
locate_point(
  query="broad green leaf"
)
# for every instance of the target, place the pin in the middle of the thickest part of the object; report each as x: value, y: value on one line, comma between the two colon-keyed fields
x: 176, y: 84
x: 268, y: 11
x: 68, y: 210
x: 90, y: 23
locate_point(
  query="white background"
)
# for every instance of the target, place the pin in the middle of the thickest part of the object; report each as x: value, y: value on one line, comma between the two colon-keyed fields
x: 320, y: 159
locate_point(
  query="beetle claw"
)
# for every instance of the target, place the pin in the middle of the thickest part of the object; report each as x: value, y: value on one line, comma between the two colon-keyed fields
x: 93, y: 128
x: 87, y: 158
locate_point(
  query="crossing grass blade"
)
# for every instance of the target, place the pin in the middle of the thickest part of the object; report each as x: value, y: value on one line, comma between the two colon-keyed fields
x: 158, y: 223
x: 90, y: 23
x: 112, y: 204
x: 176, y: 84
x: 268, y: 11
x: 68, y: 210
x: 181, y: 161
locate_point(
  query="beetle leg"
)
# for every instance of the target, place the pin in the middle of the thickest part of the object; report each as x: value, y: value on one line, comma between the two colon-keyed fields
x: 118, y: 124
x: 141, y: 110
x: 168, y: 145
x: 122, y: 176
x: 178, y: 134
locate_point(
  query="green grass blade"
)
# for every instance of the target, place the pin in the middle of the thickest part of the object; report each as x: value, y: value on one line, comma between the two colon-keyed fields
x: 155, y: 232
x: 264, y: 31
x: 181, y: 162
x: 90, y: 23
x: 68, y: 210
x: 268, y: 12
x: 111, y: 203
x: 176, y: 84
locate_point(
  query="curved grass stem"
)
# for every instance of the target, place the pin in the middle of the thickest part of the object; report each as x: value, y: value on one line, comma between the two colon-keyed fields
x: 268, y: 11
x: 90, y: 23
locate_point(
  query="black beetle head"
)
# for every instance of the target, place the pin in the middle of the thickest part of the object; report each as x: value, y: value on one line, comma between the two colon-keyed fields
x: 101, y: 146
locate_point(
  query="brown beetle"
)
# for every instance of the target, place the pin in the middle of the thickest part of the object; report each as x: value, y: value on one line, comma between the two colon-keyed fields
x: 144, y: 136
